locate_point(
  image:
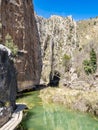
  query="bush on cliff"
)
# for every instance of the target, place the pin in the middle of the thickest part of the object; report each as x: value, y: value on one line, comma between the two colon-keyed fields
x: 90, y: 66
x: 66, y: 62
x: 10, y: 44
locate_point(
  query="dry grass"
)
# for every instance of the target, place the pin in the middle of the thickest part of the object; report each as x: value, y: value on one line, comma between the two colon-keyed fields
x: 86, y: 101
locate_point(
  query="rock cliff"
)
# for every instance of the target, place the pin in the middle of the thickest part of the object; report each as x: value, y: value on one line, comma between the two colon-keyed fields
x: 19, y: 22
x: 65, y: 45
x: 58, y: 42
x: 8, y: 85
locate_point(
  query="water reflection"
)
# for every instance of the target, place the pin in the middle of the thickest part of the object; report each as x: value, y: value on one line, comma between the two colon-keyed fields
x: 57, y: 118
x: 53, y: 117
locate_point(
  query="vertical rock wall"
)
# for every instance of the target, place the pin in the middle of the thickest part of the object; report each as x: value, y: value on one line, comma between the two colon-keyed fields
x: 58, y: 41
x: 8, y: 85
x: 18, y: 20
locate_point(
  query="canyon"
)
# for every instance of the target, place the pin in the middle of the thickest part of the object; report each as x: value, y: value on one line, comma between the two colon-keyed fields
x: 59, y: 49
x: 18, y: 25
x: 51, y: 52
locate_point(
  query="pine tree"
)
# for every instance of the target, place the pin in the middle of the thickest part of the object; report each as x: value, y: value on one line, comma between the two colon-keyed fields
x: 93, y: 60
x: 90, y: 66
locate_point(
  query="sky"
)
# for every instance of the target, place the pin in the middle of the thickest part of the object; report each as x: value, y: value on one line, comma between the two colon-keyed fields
x: 79, y: 9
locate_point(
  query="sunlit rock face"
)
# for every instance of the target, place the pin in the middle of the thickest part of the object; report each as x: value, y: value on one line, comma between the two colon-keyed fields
x: 8, y: 85
x: 65, y: 45
x: 18, y: 20
x: 58, y: 39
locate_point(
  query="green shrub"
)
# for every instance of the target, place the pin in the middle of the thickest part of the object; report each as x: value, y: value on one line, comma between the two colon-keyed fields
x: 9, y: 43
x: 95, y: 22
x: 93, y: 59
x: 87, y: 67
x: 66, y: 62
x: 90, y: 66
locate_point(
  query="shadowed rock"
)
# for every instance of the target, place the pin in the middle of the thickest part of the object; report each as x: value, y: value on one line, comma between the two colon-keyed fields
x: 18, y: 20
x: 8, y: 85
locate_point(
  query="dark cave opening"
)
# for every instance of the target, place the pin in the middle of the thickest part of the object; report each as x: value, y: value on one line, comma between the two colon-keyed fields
x: 54, y: 79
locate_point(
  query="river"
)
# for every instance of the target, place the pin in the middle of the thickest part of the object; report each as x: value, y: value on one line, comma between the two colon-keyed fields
x: 53, y: 117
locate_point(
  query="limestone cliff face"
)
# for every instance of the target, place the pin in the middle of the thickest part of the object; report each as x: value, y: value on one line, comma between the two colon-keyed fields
x: 18, y: 20
x: 58, y: 40
x: 67, y: 43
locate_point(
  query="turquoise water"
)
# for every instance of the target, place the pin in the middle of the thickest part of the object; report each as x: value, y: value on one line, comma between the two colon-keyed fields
x: 53, y: 117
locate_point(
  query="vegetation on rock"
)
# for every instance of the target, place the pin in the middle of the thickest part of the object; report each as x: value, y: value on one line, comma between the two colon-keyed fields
x: 66, y: 62
x: 93, y: 59
x: 10, y: 44
x: 90, y: 66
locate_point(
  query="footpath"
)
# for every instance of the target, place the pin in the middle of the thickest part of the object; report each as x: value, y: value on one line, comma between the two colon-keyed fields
x: 16, y: 118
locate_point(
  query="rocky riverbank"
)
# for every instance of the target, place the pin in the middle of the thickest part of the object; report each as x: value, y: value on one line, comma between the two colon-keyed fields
x: 79, y: 100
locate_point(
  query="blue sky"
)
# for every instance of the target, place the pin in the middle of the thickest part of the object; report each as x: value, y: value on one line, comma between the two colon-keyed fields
x: 79, y: 9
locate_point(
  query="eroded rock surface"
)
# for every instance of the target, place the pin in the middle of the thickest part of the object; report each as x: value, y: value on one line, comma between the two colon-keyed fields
x: 8, y: 85
x: 58, y: 41
x: 18, y: 20
x: 65, y: 45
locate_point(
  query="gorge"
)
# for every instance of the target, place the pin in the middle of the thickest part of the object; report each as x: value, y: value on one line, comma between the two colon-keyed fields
x: 18, y: 26
x: 51, y: 52
x: 59, y: 108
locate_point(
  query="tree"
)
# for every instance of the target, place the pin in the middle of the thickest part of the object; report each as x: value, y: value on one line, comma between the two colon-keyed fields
x: 90, y: 66
x: 93, y: 60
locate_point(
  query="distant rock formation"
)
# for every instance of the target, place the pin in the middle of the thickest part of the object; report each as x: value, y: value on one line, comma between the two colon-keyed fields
x: 18, y: 20
x: 8, y: 85
x: 58, y: 40
x: 65, y: 45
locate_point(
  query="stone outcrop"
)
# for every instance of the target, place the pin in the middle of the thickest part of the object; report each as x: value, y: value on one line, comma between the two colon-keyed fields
x: 18, y: 20
x: 5, y: 115
x: 65, y: 45
x: 8, y: 85
x: 58, y: 40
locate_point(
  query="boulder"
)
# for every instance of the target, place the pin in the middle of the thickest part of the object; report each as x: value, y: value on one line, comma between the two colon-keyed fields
x: 8, y: 85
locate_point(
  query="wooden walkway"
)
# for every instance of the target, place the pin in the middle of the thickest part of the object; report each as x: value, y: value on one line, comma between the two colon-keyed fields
x: 16, y: 118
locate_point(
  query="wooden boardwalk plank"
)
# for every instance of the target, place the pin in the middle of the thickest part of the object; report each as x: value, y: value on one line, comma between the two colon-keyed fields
x: 16, y: 118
